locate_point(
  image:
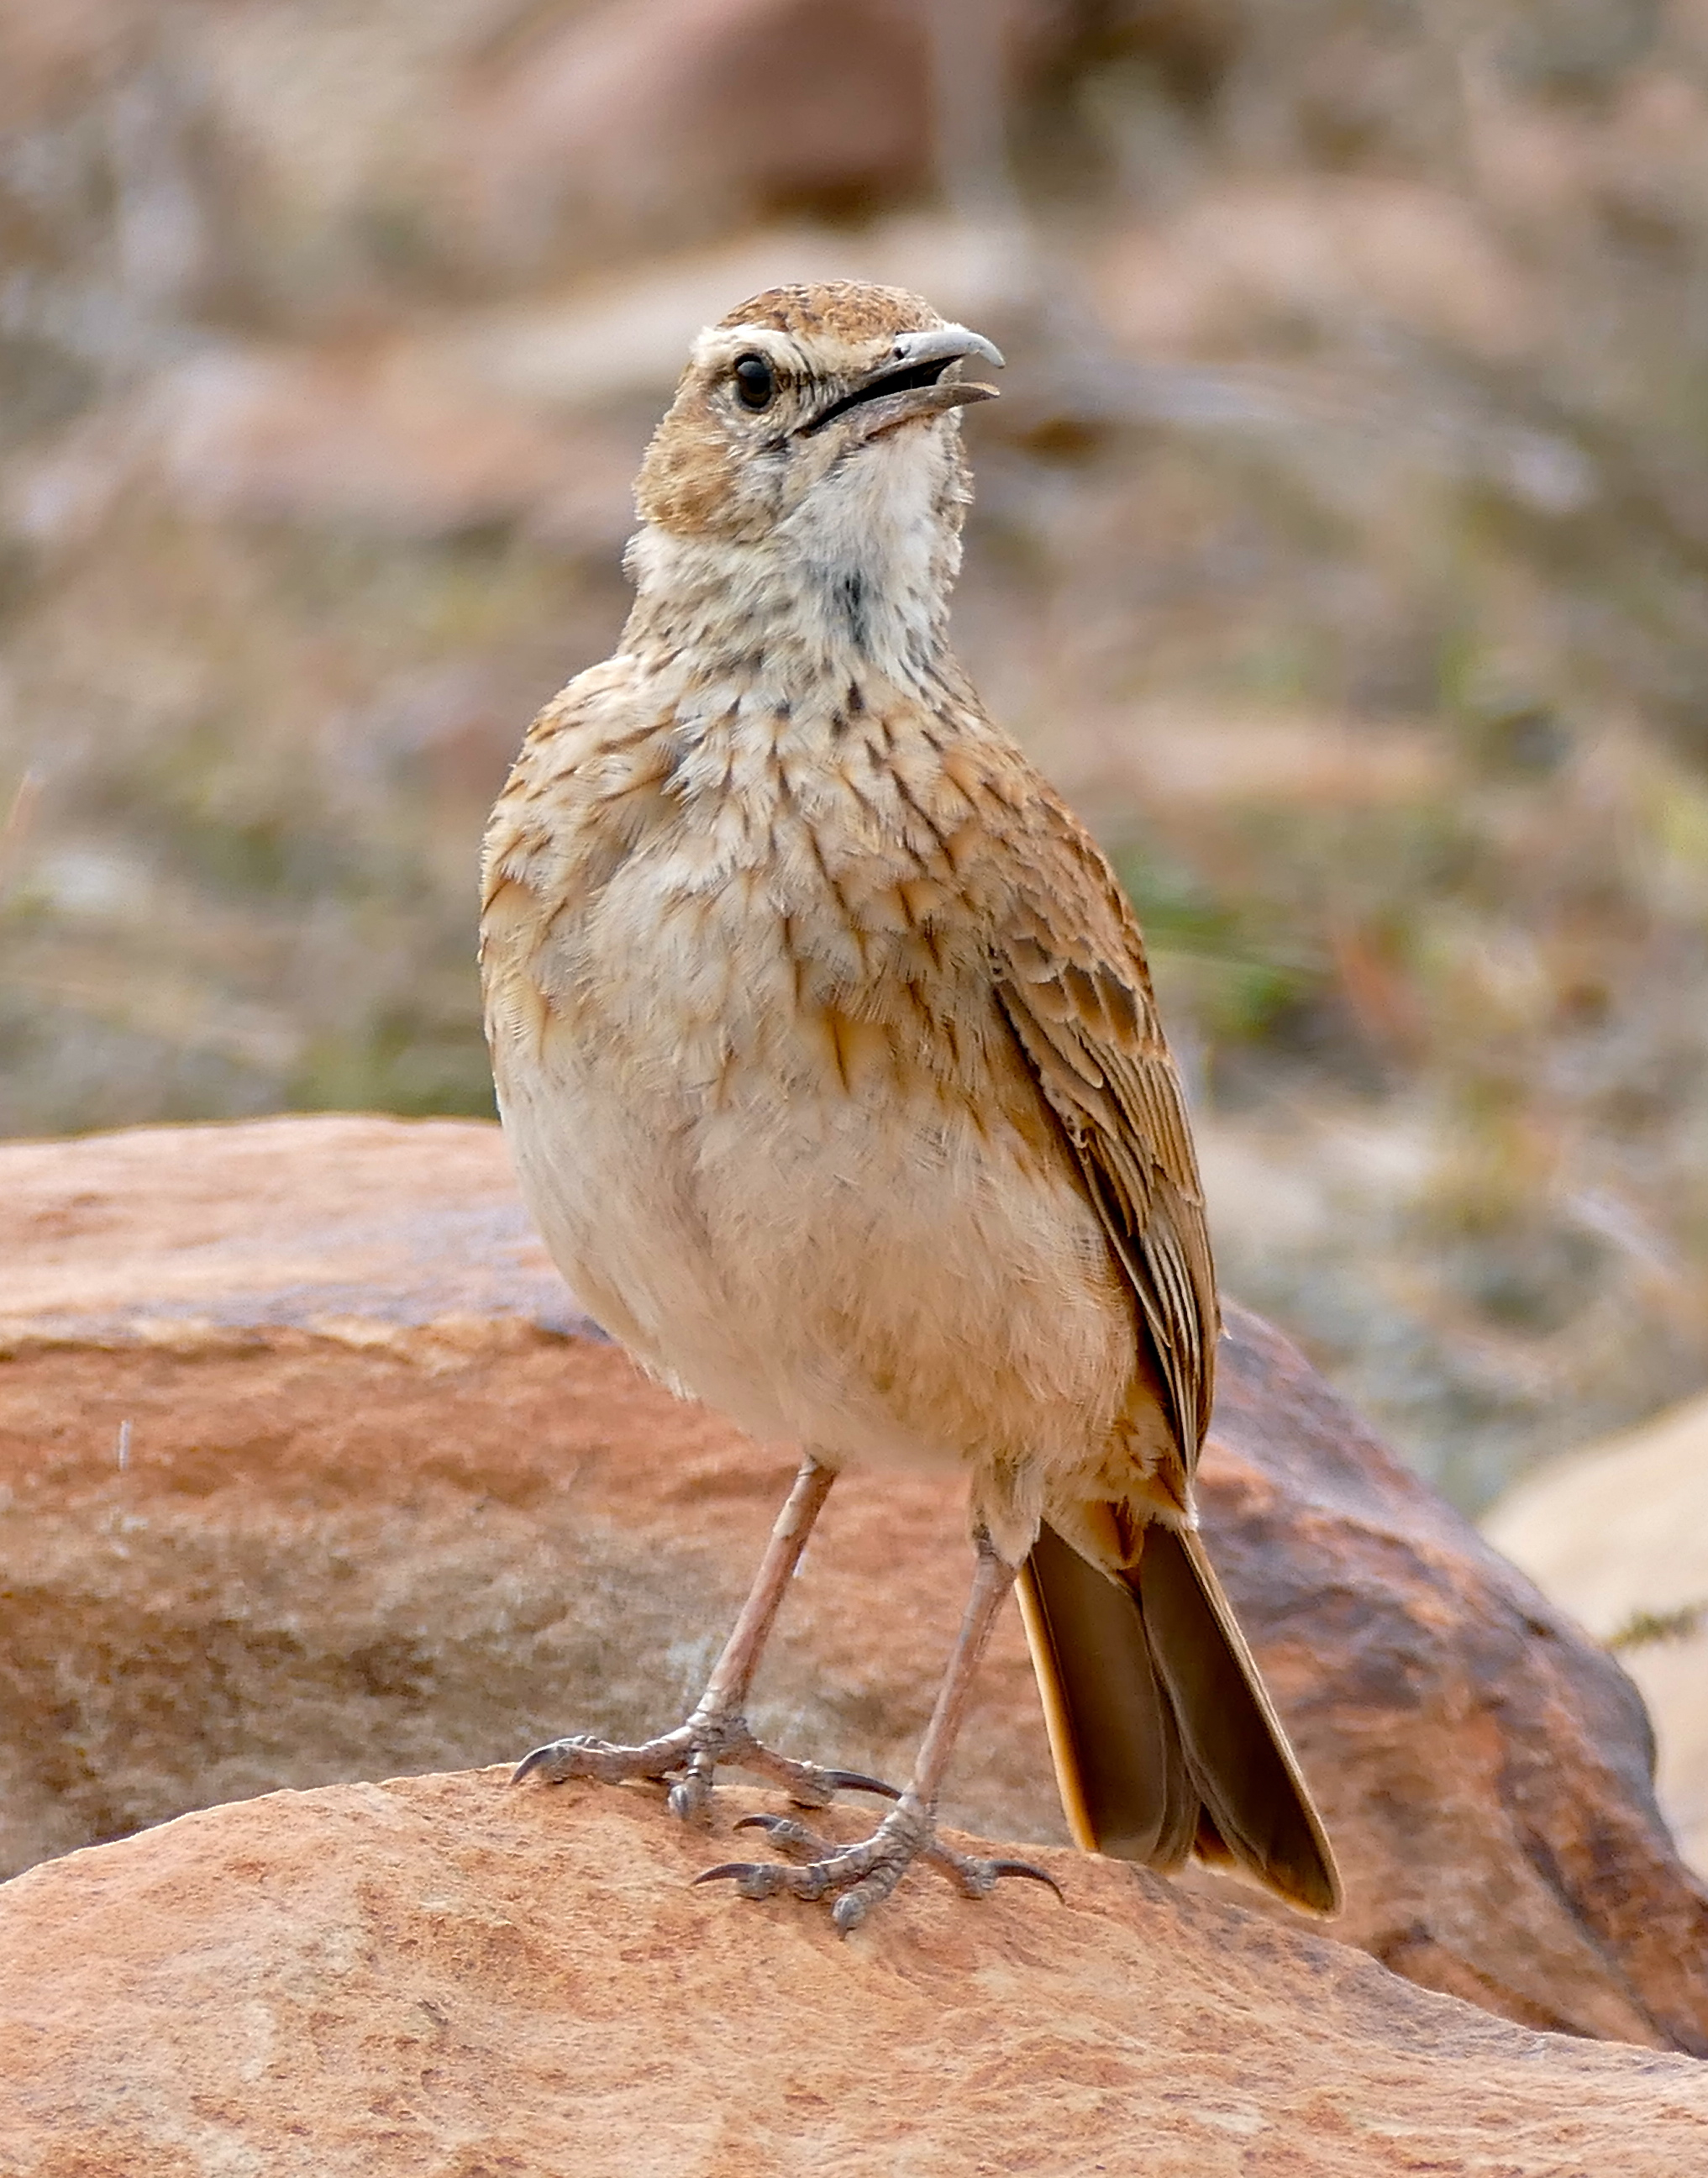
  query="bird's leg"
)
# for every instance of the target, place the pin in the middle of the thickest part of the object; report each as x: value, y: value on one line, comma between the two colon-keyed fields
x: 865, y: 1874
x: 718, y: 1730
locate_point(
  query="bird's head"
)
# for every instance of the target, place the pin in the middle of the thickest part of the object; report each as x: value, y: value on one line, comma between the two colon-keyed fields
x: 808, y: 479
x: 804, y: 403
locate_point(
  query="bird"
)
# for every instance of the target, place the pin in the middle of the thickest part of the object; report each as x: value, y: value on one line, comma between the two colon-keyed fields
x: 829, y: 1062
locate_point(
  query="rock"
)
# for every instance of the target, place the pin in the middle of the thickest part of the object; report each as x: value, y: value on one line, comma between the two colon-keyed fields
x: 313, y: 1470
x: 533, y: 416
x: 1318, y: 250
x: 310, y: 1469
x: 373, y: 439
x: 388, y: 440
x: 275, y: 1590
x: 442, y: 1975
x: 1487, y: 1774
x: 1185, y: 759
x: 1618, y: 1535
x: 604, y: 132
x: 163, y: 1234
x: 613, y: 130
x: 673, y: 120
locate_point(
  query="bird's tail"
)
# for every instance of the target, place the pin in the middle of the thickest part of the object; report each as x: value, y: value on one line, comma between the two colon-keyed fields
x: 1165, y: 1740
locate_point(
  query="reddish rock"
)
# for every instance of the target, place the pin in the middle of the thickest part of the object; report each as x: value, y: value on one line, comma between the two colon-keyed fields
x: 597, y: 132
x: 1617, y: 1534
x: 1485, y: 1771
x: 442, y: 1976
x: 389, y: 439
x: 672, y: 119
x: 387, y: 1503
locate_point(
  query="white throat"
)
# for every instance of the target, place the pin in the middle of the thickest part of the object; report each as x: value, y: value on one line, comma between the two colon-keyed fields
x: 853, y: 585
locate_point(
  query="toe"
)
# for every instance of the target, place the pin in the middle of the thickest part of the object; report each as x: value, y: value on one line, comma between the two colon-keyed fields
x: 807, y: 1784
x: 553, y: 1764
x: 978, y: 1878
x: 768, y: 1879
x: 690, y: 1798
x: 791, y: 1836
x: 857, y: 1901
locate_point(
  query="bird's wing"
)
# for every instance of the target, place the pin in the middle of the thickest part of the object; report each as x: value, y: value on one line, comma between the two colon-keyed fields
x: 1071, y: 975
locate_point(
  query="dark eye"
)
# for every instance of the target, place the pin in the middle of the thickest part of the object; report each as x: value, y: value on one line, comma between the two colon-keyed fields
x: 755, y: 381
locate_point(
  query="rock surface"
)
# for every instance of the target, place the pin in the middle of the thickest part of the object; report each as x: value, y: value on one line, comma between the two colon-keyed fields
x: 386, y: 1502
x: 1618, y: 1535
x: 440, y: 1976
x: 615, y: 129
x: 1485, y: 1772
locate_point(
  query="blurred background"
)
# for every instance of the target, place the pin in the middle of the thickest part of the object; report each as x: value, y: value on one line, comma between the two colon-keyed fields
x: 1341, y: 548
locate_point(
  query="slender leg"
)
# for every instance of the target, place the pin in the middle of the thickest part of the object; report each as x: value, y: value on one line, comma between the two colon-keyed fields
x: 732, y: 1675
x: 865, y: 1873
x: 992, y: 1579
x: 718, y: 1730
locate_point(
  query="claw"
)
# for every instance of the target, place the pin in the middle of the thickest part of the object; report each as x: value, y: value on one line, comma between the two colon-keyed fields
x: 690, y: 1798
x: 979, y: 1878
x: 731, y: 1870
x: 791, y: 1836
x: 763, y: 1879
x: 1000, y: 1867
x: 807, y: 1785
x: 555, y: 1752
x: 855, y: 1780
x: 850, y: 1910
x: 863, y: 1874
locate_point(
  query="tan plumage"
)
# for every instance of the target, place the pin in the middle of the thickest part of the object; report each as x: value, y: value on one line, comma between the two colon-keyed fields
x: 828, y: 1052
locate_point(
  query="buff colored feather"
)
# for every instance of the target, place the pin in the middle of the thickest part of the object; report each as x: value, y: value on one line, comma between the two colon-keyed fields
x: 827, y: 1048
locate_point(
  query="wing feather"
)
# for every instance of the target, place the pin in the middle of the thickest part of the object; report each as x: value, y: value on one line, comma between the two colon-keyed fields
x: 1072, y: 977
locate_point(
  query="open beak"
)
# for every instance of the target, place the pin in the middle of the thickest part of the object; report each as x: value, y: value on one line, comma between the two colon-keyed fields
x: 911, y: 382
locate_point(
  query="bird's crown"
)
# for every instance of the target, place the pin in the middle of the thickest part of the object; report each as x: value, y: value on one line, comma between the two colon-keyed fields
x: 833, y: 318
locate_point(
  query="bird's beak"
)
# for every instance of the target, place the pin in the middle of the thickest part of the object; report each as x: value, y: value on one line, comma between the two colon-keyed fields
x: 911, y: 383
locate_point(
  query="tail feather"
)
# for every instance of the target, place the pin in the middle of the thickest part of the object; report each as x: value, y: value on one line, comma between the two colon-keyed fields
x: 1164, y: 1738
x: 1119, y: 1759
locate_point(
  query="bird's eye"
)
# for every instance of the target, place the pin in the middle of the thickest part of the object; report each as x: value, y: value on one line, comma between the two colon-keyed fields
x: 755, y: 381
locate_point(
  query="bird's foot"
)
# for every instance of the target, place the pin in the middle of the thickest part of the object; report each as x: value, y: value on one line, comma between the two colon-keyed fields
x: 689, y: 1757
x: 864, y: 1875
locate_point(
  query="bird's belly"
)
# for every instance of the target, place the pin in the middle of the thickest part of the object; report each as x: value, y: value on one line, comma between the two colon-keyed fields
x: 876, y: 1272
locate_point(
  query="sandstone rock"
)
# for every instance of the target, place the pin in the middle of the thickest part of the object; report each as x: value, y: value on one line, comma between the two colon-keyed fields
x: 310, y: 1469
x: 1618, y: 1535
x: 442, y: 1976
x: 668, y: 121
x: 161, y: 1233
x: 389, y: 440
x: 607, y: 132
x: 1320, y: 249
x: 612, y: 129
x: 385, y: 1502
x: 1485, y: 1772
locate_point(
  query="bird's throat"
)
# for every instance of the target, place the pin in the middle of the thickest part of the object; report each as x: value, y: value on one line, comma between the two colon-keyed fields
x: 856, y: 585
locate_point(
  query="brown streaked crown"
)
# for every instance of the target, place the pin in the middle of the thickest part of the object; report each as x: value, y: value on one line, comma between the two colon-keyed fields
x: 846, y: 311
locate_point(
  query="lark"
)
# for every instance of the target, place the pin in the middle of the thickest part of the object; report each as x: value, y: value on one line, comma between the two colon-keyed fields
x: 831, y: 1068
